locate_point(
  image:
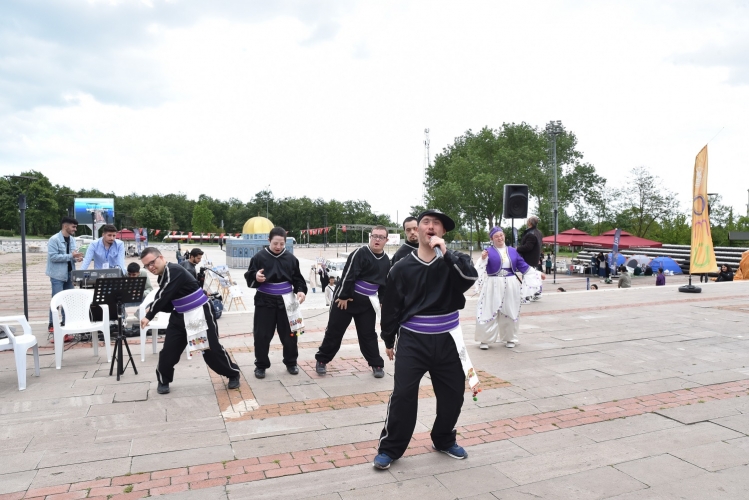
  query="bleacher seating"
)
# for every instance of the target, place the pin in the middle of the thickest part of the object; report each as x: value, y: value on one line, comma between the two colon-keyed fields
x: 680, y: 253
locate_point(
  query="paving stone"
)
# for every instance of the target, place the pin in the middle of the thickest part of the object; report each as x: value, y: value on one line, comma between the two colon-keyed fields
x: 562, y: 462
x: 738, y: 423
x: 659, y: 469
x: 311, y: 485
x: 624, y: 427
x: 16, y: 481
x: 177, y: 439
x: 126, y: 397
x: 270, y: 392
x: 81, y: 472
x: 474, y: 481
x: 425, y: 487
x: 277, y: 444
x: 727, y: 484
x: 702, y: 412
x: 19, y: 462
x: 678, y: 438
x: 550, y: 441
x: 438, y: 463
x: 594, y: 484
x: 175, y: 459
x: 304, y: 392
x: 718, y: 455
x: 80, y: 453
x: 215, y: 493
x: 253, y: 429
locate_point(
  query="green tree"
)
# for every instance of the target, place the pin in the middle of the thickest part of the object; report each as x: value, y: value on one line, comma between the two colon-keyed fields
x: 473, y: 170
x: 645, y: 202
x: 152, y: 216
x: 202, y: 219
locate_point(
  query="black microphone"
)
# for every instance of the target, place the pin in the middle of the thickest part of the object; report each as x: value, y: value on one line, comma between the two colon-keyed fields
x: 437, y: 250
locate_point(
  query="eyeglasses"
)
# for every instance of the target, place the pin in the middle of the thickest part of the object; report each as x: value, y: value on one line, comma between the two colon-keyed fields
x: 378, y: 237
x: 150, y: 264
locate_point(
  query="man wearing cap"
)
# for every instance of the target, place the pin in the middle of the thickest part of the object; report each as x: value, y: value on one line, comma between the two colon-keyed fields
x: 358, y: 296
x: 498, y: 306
x: 412, y: 240
x: 421, y: 330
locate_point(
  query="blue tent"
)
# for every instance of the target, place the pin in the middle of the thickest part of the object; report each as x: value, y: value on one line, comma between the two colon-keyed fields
x: 666, y: 263
x: 620, y: 259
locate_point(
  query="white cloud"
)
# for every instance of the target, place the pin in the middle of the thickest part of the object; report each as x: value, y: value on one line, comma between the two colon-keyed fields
x: 331, y: 99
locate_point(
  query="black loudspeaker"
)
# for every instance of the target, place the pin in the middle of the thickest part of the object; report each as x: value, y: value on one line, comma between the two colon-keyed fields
x: 515, y: 201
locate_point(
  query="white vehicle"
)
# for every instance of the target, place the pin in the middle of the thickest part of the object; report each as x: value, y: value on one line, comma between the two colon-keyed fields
x: 84, y: 239
x: 335, y: 267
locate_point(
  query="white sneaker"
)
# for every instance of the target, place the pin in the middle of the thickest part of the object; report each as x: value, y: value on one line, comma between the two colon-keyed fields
x: 510, y: 345
x: 484, y: 346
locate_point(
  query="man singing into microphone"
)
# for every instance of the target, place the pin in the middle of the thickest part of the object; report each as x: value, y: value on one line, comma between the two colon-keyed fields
x: 420, y: 327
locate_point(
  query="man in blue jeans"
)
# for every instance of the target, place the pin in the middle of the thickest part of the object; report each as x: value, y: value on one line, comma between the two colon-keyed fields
x: 61, y: 259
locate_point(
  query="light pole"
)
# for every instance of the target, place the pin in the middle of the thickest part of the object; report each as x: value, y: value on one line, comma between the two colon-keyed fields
x: 553, y: 129
x: 267, y: 197
x: 470, y: 218
x: 22, y: 208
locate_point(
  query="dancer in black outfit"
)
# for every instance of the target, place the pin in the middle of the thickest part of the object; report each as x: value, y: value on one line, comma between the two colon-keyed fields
x: 421, y: 330
x: 177, y: 287
x: 412, y: 240
x: 275, y: 273
x: 358, y: 296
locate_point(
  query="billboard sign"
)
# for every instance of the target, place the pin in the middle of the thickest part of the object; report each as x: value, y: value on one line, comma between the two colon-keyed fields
x: 97, y: 211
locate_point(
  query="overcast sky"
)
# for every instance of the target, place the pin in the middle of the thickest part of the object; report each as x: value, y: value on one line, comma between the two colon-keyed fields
x: 331, y: 98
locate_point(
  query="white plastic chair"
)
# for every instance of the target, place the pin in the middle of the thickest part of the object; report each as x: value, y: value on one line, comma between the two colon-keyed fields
x: 20, y: 344
x: 76, y: 304
x: 159, y: 322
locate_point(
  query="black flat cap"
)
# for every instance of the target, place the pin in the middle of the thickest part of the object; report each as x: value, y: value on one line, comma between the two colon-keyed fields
x: 447, y: 222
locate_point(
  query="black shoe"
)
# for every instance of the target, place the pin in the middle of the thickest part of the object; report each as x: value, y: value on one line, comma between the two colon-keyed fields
x: 378, y: 371
x: 259, y: 372
x: 163, y: 389
x: 294, y: 370
x: 234, y: 382
x: 320, y: 368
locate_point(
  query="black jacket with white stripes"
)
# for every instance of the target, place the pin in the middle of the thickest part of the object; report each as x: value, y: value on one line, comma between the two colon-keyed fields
x: 403, y: 251
x: 174, y: 283
x: 425, y: 288
x: 363, y: 264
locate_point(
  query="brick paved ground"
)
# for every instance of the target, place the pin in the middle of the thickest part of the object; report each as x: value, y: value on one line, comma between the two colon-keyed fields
x: 624, y: 394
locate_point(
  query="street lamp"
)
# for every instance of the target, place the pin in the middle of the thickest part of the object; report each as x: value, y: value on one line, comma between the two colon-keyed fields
x: 470, y: 218
x: 553, y: 129
x: 71, y: 195
x: 22, y: 208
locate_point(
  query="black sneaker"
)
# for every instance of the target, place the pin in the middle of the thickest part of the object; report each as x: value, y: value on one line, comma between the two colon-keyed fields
x: 259, y: 372
x: 163, y: 389
x: 234, y: 382
x: 294, y: 370
x: 320, y: 368
x: 378, y: 371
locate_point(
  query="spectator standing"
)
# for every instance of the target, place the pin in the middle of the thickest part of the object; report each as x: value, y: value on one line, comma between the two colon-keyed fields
x: 61, y: 259
x: 313, y: 278
x: 660, y: 279
x: 548, y: 264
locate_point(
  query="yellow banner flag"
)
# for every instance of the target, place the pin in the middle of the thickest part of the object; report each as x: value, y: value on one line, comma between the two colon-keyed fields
x: 702, y: 258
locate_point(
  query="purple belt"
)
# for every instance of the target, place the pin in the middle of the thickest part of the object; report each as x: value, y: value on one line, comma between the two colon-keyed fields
x: 440, y: 323
x: 195, y: 299
x: 365, y: 288
x: 276, y: 288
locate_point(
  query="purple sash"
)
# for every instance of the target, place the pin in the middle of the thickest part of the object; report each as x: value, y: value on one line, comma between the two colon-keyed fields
x: 365, y: 288
x: 495, y: 261
x: 441, y: 323
x: 190, y: 302
x: 276, y: 288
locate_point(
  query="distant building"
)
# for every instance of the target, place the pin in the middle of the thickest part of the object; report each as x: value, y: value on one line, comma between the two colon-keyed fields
x: 254, y: 238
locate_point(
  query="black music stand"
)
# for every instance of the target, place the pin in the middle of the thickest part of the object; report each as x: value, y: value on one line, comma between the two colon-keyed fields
x: 115, y: 292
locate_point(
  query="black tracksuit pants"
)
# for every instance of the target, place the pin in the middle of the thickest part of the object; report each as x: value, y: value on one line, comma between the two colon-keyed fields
x: 175, y: 342
x: 361, y: 311
x: 415, y: 355
x: 267, y: 321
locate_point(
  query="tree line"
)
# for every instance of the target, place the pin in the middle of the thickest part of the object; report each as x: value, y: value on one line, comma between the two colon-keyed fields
x: 48, y: 203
